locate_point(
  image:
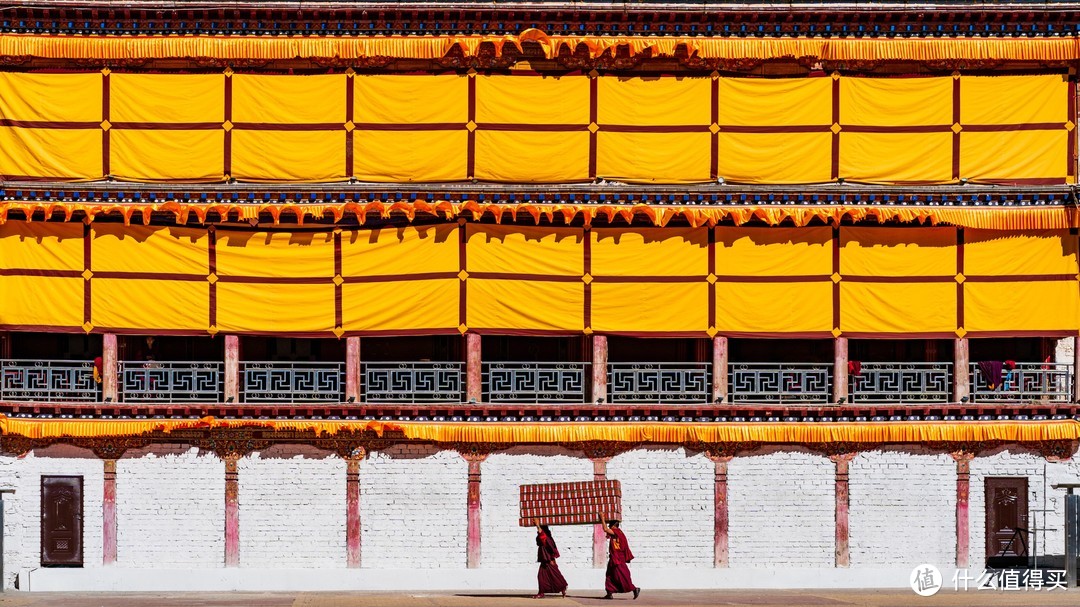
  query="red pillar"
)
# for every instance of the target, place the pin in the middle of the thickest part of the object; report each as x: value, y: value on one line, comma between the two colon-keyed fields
x: 719, y: 369
x: 109, y: 371
x: 232, y: 511
x: 232, y: 368
x: 1076, y: 370
x: 599, y: 368
x: 352, y: 508
x: 474, y: 378
x: 843, y: 500
x: 720, y: 510
x: 599, y: 544
x: 961, y: 370
x: 108, y: 514
x: 472, y: 551
x: 352, y: 369
x: 840, y: 370
x: 963, y: 489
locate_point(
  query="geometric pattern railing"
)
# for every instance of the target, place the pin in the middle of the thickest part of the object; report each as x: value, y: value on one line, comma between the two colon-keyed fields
x: 48, y: 380
x: 535, y: 382
x: 413, y: 382
x: 171, y: 382
x: 907, y: 382
x: 779, y: 382
x: 1027, y: 382
x: 292, y: 382
x: 659, y: 382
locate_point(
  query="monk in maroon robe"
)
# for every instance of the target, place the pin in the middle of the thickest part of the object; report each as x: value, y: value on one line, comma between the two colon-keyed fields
x: 617, y: 578
x: 549, y: 577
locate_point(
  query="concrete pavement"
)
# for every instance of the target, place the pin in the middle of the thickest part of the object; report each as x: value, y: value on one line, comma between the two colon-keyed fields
x: 576, y: 598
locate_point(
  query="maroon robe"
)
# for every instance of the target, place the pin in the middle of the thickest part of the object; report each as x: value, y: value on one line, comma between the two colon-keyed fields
x: 548, y: 577
x: 617, y: 578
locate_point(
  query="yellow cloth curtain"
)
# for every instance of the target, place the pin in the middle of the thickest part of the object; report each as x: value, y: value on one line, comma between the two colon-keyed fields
x: 648, y: 432
x: 528, y: 128
x: 450, y: 277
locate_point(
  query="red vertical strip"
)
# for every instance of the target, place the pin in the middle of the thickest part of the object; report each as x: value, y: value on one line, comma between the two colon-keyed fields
x: 587, y: 262
x: 350, y: 95
x: 463, y: 289
x: 352, y: 511
x: 108, y: 514
x: 599, y: 537
x: 227, y: 168
x: 471, y: 152
x: 836, y: 272
x: 714, y: 143
x: 835, y: 171
x: 106, y: 163
x: 959, y: 271
x: 842, y: 556
x: 337, y: 283
x: 956, y: 133
x: 232, y: 511
x: 712, y: 273
x: 594, y: 89
x: 721, y: 531
x: 472, y: 549
x: 211, y: 249
x: 1073, y: 133
x: 963, y: 490
x: 87, y: 270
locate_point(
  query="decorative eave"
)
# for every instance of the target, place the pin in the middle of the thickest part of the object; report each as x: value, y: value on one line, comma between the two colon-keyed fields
x: 769, y: 19
x: 1046, y: 207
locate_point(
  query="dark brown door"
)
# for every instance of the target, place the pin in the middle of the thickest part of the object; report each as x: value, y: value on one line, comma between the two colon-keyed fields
x: 1006, y: 517
x: 61, y: 521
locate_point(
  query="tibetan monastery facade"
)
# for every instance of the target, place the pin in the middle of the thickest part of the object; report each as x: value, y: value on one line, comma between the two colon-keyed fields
x: 298, y: 299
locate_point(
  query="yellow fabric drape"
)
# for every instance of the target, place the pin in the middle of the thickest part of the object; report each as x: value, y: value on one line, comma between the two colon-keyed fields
x: 647, y: 432
x: 529, y: 128
x: 450, y: 277
x: 434, y: 47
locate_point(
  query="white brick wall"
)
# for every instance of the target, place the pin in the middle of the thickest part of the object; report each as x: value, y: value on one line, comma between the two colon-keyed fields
x: 903, y: 509
x: 667, y: 506
x: 781, y: 510
x: 170, y: 508
x: 413, y: 508
x: 504, y: 543
x: 292, y: 508
x: 22, y: 511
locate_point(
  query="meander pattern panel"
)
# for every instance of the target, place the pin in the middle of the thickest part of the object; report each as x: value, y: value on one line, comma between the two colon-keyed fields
x: 532, y: 128
x: 450, y: 278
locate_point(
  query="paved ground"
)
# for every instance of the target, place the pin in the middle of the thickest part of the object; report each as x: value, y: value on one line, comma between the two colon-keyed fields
x: 666, y: 598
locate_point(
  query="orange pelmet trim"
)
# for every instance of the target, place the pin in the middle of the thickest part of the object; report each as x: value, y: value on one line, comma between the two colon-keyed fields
x: 1003, y: 218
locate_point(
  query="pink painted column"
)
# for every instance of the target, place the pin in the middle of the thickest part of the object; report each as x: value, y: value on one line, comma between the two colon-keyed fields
x: 232, y: 511
x: 232, y: 368
x: 720, y: 510
x: 961, y: 370
x: 963, y: 490
x: 352, y: 507
x: 599, y: 368
x: 109, y: 363
x: 840, y: 370
x: 599, y: 543
x: 843, y: 500
x: 472, y: 550
x: 719, y: 369
x: 352, y: 369
x: 474, y: 377
x: 108, y: 514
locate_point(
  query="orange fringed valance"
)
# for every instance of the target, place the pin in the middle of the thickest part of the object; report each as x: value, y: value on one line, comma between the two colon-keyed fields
x: 434, y: 47
x: 1001, y: 218
x: 515, y: 433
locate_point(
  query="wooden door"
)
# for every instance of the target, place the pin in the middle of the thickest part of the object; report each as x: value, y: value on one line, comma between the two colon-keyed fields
x: 1006, y: 517
x: 61, y: 521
